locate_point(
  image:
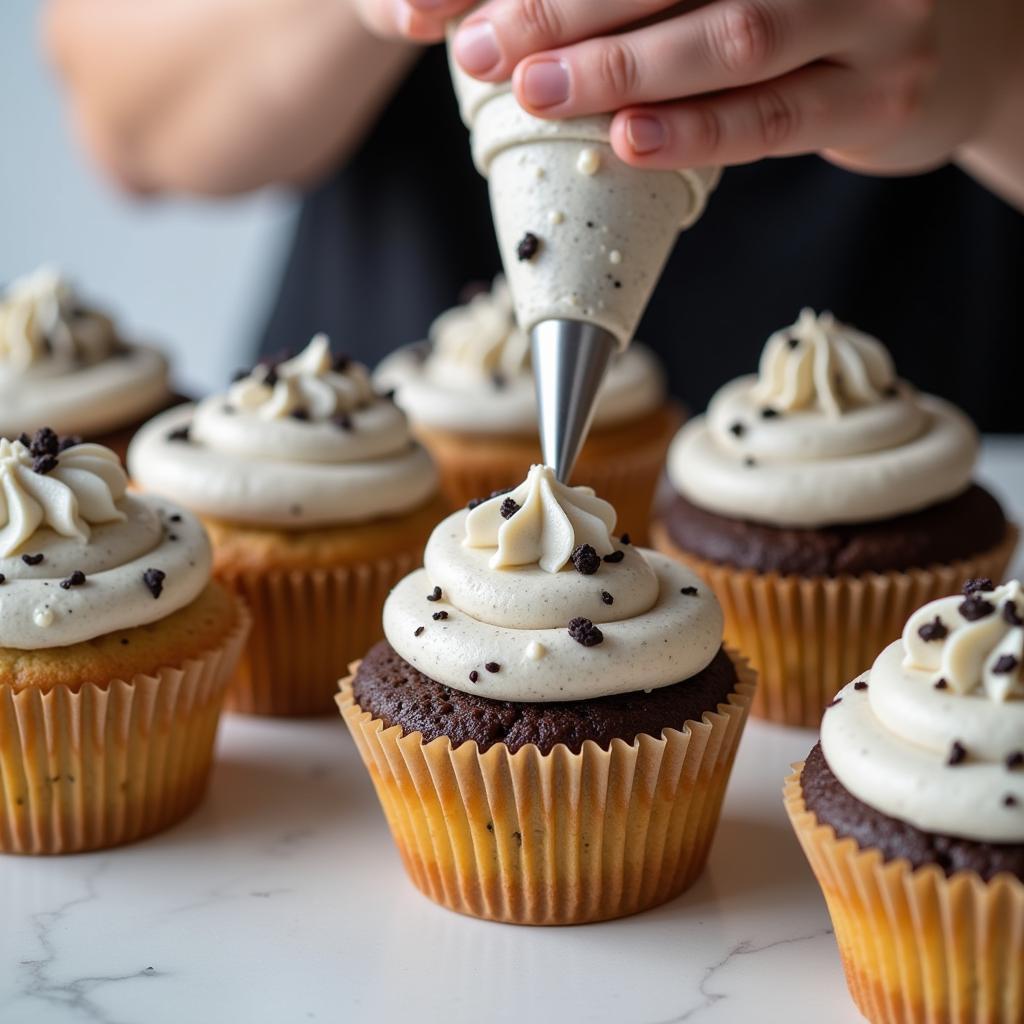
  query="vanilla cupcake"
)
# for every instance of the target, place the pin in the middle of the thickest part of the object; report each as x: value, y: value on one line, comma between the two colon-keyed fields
x: 115, y: 652
x: 911, y: 813
x: 65, y: 365
x: 824, y: 499
x: 551, y: 722
x: 317, y: 501
x: 469, y: 393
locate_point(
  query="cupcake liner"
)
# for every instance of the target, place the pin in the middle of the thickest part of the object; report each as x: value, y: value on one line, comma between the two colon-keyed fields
x: 918, y: 947
x: 807, y: 637
x: 558, y: 838
x: 104, y: 765
x: 308, y: 625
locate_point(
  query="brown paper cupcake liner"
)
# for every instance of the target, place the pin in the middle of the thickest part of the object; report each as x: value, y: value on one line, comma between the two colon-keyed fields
x: 104, y: 765
x: 308, y: 625
x: 918, y: 947
x: 558, y: 838
x: 807, y: 637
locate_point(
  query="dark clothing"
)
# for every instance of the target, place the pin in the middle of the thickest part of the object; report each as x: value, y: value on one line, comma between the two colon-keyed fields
x: 933, y: 264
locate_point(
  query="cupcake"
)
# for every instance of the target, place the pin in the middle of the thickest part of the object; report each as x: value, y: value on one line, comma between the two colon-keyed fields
x: 116, y: 650
x: 317, y: 502
x: 824, y: 500
x: 911, y: 813
x: 469, y: 393
x: 64, y: 364
x: 552, y: 719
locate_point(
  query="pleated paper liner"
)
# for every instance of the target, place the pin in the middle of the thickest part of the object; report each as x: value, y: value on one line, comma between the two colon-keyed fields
x: 308, y: 625
x: 622, y: 464
x: 105, y: 765
x: 554, y: 839
x: 918, y: 947
x: 807, y: 637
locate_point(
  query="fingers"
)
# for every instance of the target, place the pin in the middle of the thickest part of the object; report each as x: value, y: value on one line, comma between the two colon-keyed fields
x: 808, y: 110
x: 421, y: 20
x: 720, y: 46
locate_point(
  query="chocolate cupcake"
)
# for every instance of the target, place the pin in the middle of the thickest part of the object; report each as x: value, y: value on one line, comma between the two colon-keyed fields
x: 531, y: 666
x: 824, y: 499
x: 469, y: 393
x: 911, y: 813
x: 65, y: 365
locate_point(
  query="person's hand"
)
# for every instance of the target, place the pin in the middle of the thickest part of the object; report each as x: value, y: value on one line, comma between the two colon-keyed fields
x: 424, y: 21
x: 875, y: 85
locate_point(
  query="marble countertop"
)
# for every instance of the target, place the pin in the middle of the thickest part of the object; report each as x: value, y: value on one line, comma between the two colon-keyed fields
x: 283, y: 900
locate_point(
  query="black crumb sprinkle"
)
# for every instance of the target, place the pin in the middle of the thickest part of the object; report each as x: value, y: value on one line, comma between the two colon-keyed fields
x: 44, y: 464
x: 419, y: 631
x: 68, y: 442
x: 178, y: 434
x: 239, y: 375
x: 793, y: 342
x: 435, y: 594
x: 1015, y: 760
x: 474, y: 503
x: 492, y: 666
x: 1004, y: 665
x: 439, y: 615
x: 1011, y: 615
x: 891, y: 391
x: 624, y: 539
x: 341, y: 363
x: 957, y: 753
x: 154, y: 580
x: 474, y: 676
x: 32, y: 559
x: 975, y: 607
x: 737, y: 429
x: 1009, y: 800
x: 585, y: 560
x: 342, y: 422
x: 607, y: 598
x: 3, y: 578
x: 528, y: 246
x: 175, y: 518
x: 979, y: 585
x: 172, y: 536
x: 934, y: 630
x: 769, y: 414
x: 615, y: 556
x: 941, y: 684
x: 76, y: 579
x: 835, y: 701
x: 750, y: 462
x: 509, y: 507
x: 302, y: 415
x: 498, y: 381
x: 688, y: 591
x: 583, y: 631
x: 860, y: 685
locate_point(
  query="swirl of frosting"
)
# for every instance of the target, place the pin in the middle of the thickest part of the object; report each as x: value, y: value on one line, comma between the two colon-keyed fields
x: 824, y: 435
x: 79, y: 556
x: 534, y: 632
x: 296, y: 444
x: 934, y: 733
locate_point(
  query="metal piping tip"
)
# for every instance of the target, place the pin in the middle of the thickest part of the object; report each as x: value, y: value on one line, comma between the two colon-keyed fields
x: 569, y: 363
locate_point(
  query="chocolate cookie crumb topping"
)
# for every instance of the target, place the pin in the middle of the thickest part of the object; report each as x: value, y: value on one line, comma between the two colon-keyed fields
x: 302, y: 415
x: 435, y: 594
x: 474, y: 676
x: 975, y: 607
x: 957, y: 753
x: 1011, y: 615
x: 498, y: 381
x: 934, y: 630
x: 941, y: 684
x: 492, y: 666
x: 68, y: 442
x: 583, y: 631
x: 76, y: 579
x: 1015, y: 760
x: 175, y: 518
x: 1004, y: 665
x: 585, y: 560
x: 607, y: 598
x: 624, y: 539
x: 769, y: 413
x: 891, y: 391
x: 178, y: 434
x: 615, y: 556
x: 527, y: 247
x: 860, y: 685
x: 1009, y: 800
x: 737, y: 429
x: 750, y: 462
x: 419, y: 630
x: 981, y: 584
x: 835, y: 701
x: 793, y: 342
x: 439, y: 615
x: 688, y: 591
x: 44, y: 464
x: 509, y: 508
x: 341, y: 363
x: 3, y: 578
x: 32, y: 559
x: 154, y: 580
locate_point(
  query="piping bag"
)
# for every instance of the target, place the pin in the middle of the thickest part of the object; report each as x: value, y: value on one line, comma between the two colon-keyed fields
x: 583, y: 238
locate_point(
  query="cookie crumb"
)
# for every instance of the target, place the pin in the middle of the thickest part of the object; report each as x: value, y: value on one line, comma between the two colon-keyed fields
x: 419, y: 631
x: 934, y: 630
x: 32, y: 559
x: 607, y: 598
x: 492, y: 666
x: 435, y: 594
x: 688, y: 591
x: 76, y: 579
x: 974, y: 608
x: 980, y: 585
x: 615, y: 556
x: 528, y: 247
x: 585, y: 560
x: 509, y: 507
x: 154, y: 580
x: 439, y: 615
x: 584, y: 632
x: 941, y: 684
x: 957, y: 754
x: 474, y: 676
x: 860, y: 685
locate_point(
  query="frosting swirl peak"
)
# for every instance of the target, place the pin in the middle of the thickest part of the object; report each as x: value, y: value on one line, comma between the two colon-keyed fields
x: 541, y: 521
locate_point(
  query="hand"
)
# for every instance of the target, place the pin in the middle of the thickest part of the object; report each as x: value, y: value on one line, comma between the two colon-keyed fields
x: 875, y: 85
x: 424, y: 21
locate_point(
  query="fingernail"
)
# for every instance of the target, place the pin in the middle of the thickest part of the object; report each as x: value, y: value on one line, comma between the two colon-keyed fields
x: 476, y: 47
x: 644, y: 134
x: 546, y: 83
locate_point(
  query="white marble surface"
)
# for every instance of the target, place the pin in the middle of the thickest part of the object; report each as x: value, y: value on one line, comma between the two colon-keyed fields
x: 282, y: 899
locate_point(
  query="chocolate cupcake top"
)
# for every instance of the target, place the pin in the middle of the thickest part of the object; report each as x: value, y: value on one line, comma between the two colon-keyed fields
x: 934, y: 733
x: 529, y: 597
x: 63, y: 363
x: 475, y: 373
x: 81, y: 557
x: 294, y: 443
x: 824, y: 434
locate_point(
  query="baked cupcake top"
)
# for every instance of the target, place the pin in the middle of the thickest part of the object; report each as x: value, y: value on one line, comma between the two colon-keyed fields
x: 933, y: 734
x: 81, y: 557
x: 64, y: 363
x: 294, y: 443
x: 825, y: 433
x: 529, y: 596
x: 475, y: 374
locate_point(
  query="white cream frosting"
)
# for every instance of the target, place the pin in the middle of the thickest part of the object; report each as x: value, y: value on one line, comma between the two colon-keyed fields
x: 933, y: 737
x: 63, y: 365
x: 76, y: 549
x: 824, y: 435
x: 476, y: 376
x: 661, y: 626
x: 314, y: 447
